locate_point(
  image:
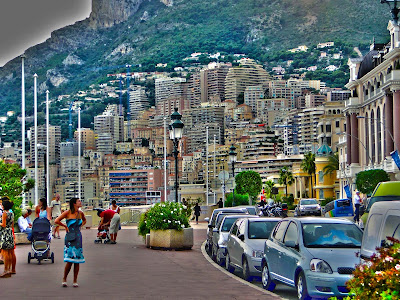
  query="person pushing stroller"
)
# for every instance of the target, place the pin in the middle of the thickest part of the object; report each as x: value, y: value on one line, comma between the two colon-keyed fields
x: 111, y: 219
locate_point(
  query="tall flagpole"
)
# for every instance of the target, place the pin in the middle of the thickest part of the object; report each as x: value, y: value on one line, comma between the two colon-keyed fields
x: 23, y: 118
x: 79, y: 153
x: 35, y: 147
x: 47, y: 150
x: 165, y: 159
x: 215, y: 170
x: 207, y: 164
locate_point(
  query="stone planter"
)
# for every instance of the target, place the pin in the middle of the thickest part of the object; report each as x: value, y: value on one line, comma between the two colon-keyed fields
x: 171, y: 239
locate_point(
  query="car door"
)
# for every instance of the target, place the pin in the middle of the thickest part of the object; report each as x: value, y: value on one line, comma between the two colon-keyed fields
x: 236, y: 257
x: 232, y: 240
x: 290, y: 255
x: 274, y: 249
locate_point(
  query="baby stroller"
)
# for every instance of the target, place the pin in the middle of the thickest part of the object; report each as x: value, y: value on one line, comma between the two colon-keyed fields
x: 102, y: 234
x: 40, y: 241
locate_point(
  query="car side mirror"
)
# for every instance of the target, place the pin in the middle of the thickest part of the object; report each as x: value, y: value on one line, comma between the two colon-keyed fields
x: 215, y: 230
x: 241, y: 237
x: 210, y: 226
x: 207, y: 219
x: 291, y: 244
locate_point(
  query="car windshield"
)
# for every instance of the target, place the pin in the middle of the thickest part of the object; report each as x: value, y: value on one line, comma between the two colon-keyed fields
x: 228, y: 222
x: 331, y: 235
x: 342, y: 203
x: 308, y: 202
x: 251, y: 210
x: 261, y: 230
x: 372, y: 200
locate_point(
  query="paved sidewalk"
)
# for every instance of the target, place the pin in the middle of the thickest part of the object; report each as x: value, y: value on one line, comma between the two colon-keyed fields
x: 127, y: 270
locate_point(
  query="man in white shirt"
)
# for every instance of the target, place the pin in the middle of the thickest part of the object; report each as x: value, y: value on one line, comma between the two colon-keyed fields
x: 55, y: 206
x: 357, y: 204
x: 24, y: 222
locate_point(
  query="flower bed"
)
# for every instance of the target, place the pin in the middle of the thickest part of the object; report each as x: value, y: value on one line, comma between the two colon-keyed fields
x: 378, y: 278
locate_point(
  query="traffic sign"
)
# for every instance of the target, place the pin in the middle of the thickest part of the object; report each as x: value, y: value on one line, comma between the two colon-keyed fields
x: 230, y: 184
x: 223, y: 176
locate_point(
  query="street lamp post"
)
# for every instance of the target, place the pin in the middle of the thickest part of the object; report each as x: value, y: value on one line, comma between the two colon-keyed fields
x: 175, y: 134
x: 232, y: 158
x: 394, y: 10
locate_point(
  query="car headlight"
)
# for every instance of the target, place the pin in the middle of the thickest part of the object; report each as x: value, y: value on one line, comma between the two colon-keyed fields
x: 302, y: 208
x: 319, y: 265
x: 222, y: 242
x: 318, y: 207
x: 257, y: 253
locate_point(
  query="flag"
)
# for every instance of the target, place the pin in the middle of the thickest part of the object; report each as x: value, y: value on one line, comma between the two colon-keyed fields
x: 396, y: 158
x: 347, y: 190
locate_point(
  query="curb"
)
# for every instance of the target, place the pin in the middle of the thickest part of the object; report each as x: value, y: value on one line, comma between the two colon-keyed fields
x: 204, y: 252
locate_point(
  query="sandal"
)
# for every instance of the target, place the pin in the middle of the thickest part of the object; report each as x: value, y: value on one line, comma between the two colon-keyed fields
x: 75, y: 284
x: 5, y: 275
x: 64, y: 284
x: 13, y: 272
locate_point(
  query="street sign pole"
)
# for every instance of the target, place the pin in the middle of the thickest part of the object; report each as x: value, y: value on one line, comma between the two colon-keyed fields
x: 223, y: 176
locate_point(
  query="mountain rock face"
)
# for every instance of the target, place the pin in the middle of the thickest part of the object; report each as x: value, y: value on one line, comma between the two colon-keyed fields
x: 147, y: 32
x: 107, y: 13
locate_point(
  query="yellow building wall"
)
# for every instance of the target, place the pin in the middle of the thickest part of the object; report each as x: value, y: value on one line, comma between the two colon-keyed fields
x: 328, y: 183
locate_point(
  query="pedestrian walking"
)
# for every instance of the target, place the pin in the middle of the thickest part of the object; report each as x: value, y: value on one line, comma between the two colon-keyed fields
x: 220, y: 203
x: 7, y: 241
x: 55, y: 207
x: 197, y: 211
x: 357, y: 204
x: 73, y: 251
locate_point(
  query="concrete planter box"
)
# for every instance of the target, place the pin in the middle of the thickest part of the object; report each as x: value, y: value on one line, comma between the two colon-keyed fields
x: 21, y: 238
x: 171, y: 239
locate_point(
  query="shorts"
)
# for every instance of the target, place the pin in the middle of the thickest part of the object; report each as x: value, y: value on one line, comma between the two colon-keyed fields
x: 114, y: 224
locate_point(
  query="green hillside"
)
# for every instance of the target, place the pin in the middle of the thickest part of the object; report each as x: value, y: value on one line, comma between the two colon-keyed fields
x: 157, y: 33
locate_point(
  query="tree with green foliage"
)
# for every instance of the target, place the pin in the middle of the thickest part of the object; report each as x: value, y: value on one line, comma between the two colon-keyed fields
x: 248, y: 182
x: 366, y: 181
x: 333, y: 164
x: 268, y: 188
x: 308, y: 166
x: 286, y: 178
x: 12, y: 184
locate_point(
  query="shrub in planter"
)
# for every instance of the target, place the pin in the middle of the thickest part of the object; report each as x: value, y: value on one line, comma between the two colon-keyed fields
x: 163, y: 216
x: 379, y: 278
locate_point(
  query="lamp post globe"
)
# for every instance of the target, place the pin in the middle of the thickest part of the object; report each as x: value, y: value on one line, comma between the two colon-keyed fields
x: 175, y: 134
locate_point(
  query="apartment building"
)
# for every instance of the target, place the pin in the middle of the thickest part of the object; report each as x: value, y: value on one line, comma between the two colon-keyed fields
x: 138, y: 102
x: 332, y: 124
x: 87, y: 138
x: 272, y: 111
x: 168, y: 87
x: 212, y: 81
x: 251, y: 95
x: 129, y: 187
x: 249, y: 73
x: 110, y: 124
x: 105, y: 143
x: 54, y: 144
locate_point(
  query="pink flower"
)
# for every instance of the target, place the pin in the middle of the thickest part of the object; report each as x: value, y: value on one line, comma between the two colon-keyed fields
x: 397, y: 267
x: 361, y: 268
x: 388, y: 258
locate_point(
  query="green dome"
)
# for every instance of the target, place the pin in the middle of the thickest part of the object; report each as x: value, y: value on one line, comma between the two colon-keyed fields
x: 324, y: 150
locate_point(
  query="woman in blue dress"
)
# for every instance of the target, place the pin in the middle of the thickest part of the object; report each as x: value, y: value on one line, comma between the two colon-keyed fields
x: 73, y: 253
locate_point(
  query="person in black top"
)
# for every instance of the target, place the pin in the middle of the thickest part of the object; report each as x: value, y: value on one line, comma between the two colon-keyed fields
x: 197, y: 211
x: 220, y: 203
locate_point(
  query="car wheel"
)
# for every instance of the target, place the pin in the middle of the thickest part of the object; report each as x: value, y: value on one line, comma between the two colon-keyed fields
x: 245, y: 270
x: 266, y: 280
x: 29, y: 257
x: 228, y: 266
x: 301, y: 286
x: 52, y: 257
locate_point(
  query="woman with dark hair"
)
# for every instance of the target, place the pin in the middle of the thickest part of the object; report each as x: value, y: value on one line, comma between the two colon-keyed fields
x: 73, y: 253
x: 42, y: 210
x: 7, y: 241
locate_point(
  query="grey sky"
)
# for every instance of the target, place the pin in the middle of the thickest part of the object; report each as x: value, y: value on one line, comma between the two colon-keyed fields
x: 25, y: 23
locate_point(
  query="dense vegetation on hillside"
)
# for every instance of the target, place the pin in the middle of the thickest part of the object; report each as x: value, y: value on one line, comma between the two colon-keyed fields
x: 262, y: 29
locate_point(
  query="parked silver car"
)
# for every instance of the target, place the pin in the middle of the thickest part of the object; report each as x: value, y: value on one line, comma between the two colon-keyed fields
x: 221, y: 233
x: 308, y: 207
x: 315, y: 255
x: 245, y: 245
x: 211, y: 222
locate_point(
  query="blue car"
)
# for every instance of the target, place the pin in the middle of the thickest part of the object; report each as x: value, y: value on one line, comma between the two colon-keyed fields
x: 314, y: 255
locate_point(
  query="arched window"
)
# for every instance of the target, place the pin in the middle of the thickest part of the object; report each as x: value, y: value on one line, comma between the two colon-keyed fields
x: 379, y: 133
x: 373, y: 137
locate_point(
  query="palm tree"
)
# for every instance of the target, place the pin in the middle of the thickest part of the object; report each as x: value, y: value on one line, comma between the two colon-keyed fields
x: 268, y: 187
x: 286, y: 178
x: 333, y: 164
x: 308, y: 165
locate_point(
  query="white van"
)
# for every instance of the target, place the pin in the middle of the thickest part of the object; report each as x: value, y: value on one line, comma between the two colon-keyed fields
x: 383, y: 221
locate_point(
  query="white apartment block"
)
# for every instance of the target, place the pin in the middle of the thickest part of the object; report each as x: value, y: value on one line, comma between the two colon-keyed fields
x: 54, y: 144
x: 251, y: 95
x: 138, y: 102
x: 167, y: 87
